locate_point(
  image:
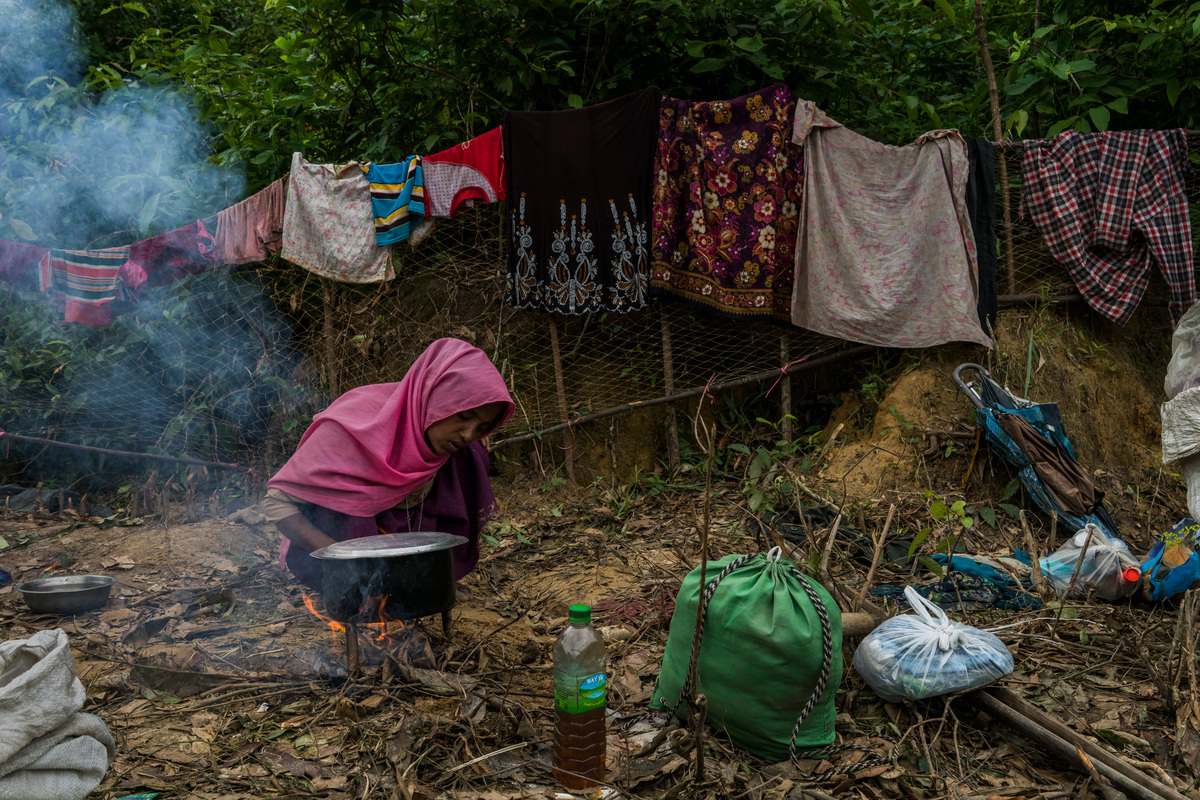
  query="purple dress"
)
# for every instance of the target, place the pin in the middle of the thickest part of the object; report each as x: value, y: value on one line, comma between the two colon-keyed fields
x: 460, y: 502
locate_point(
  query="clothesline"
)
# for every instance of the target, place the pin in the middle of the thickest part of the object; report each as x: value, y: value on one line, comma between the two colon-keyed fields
x: 718, y: 228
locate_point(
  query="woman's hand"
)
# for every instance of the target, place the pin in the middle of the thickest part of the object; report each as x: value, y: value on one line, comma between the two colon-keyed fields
x: 303, y: 533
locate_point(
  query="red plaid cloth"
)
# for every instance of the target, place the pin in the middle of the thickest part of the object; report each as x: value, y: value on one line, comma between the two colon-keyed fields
x: 1111, y: 205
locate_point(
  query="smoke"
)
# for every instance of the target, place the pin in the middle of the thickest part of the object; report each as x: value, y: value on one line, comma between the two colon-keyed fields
x: 194, y: 368
x: 85, y: 168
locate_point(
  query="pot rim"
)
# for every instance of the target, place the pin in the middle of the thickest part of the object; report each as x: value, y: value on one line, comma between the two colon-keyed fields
x: 390, y: 545
x: 65, y: 584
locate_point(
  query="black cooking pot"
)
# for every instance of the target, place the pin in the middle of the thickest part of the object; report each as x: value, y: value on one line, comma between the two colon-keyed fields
x: 411, y: 574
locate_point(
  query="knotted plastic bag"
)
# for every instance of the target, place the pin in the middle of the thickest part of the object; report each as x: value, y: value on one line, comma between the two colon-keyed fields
x: 1107, y: 566
x: 926, y: 654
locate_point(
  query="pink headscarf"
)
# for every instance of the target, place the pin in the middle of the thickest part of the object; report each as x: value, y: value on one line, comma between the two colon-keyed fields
x: 367, y: 451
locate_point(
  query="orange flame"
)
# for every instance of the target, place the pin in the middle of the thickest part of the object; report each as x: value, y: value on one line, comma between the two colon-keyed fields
x: 311, y: 605
x: 377, y: 632
x: 372, y: 608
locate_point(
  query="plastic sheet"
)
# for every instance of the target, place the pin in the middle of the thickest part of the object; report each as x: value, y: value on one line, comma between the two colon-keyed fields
x: 1184, y: 370
x: 926, y: 654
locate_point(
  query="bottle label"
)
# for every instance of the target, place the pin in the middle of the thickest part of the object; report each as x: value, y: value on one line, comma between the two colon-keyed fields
x: 575, y: 696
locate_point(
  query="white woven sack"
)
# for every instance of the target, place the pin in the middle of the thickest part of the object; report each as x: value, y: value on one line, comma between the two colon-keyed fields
x: 48, y: 749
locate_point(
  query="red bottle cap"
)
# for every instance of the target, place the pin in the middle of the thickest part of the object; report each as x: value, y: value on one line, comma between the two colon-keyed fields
x: 1132, y: 574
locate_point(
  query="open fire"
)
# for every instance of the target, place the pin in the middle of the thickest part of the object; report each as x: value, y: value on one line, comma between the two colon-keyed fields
x: 389, y: 638
x: 371, y: 619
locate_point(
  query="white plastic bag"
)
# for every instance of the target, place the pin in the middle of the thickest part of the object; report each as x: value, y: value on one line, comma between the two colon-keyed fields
x: 1181, y: 426
x: 1190, y: 469
x: 925, y: 654
x: 1108, y: 566
x: 1184, y: 370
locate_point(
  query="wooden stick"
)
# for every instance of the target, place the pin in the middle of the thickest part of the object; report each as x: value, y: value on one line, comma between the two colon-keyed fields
x: 862, y: 593
x: 568, y: 434
x: 330, y: 354
x: 989, y: 72
x: 1078, y: 563
x: 785, y: 389
x: 758, y: 377
x: 1064, y: 748
x: 16, y: 437
x: 1034, y: 560
x: 1036, y: 718
x: 698, y: 703
x: 352, y: 660
x: 669, y: 388
x: 823, y: 566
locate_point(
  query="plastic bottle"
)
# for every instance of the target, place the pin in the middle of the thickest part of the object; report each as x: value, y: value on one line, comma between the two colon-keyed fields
x: 580, y: 686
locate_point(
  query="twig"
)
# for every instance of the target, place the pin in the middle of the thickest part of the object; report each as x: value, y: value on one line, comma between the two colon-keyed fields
x: 1034, y: 560
x: 862, y: 593
x: 823, y: 566
x: 829, y: 442
x: 486, y: 756
x: 1071, y: 585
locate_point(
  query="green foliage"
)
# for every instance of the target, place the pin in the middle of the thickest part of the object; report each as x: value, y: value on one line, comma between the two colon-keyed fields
x: 1105, y: 66
x: 958, y: 511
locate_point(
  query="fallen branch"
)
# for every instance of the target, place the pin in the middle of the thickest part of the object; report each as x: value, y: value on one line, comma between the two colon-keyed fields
x: 1053, y: 734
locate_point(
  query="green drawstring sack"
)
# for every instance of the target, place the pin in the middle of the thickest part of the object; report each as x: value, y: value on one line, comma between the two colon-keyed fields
x: 762, y: 654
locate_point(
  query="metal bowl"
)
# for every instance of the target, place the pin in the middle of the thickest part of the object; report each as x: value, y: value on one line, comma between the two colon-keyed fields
x: 67, y: 594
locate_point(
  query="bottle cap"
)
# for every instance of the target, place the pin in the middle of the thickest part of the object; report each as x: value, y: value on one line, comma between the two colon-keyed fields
x: 1132, y: 574
x: 580, y: 614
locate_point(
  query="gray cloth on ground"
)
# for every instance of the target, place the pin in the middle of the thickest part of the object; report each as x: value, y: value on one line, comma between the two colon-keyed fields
x: 48, y: 748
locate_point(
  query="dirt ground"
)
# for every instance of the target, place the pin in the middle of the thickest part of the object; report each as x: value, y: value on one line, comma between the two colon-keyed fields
x: 219, y: 684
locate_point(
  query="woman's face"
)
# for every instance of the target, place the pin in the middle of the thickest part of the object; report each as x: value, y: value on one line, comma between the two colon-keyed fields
x: 453, y: 433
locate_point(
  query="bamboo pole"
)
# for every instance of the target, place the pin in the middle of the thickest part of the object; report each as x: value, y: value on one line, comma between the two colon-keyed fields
x: 669, y: 388
x: 1011, y: 708
x: 785, y: 389
x: 998, y: 132
x: 330, y: 357
x: 16, y: 437
x: 560, y: 386
x: 758, y: 377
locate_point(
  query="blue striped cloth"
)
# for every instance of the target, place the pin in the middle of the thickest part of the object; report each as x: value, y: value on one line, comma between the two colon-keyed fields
x: 397, y: 198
